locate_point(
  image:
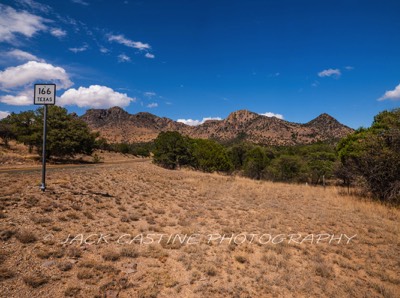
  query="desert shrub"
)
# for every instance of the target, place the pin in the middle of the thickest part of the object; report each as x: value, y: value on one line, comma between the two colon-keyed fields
x: 209, y: 156
x: 255, y: 162
x: 172, y: 150
x: 287, y: 168
x: 374, y: 155
x: 67, y: 135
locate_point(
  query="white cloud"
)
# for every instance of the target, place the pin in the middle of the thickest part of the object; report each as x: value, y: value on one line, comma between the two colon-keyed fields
x: 14, y: 22
x: 104, y: 50
x: 32, y: 71
x: 269, y: 114
x: 349, y: 68
x: 274, y: 75
x: 23, y: 56
x: 315, y: 84
x: 192, y: 122
x: 124, y: 58
x: 94, y: 97
x: 150, y: 56
x: 152, y: 105
x: 81, y: 2
x: 57, y: 32
x: 81, y: 49
x: 4, y: 114
x: 149, y: 94
x: 391, y: 94
x: 330, y: 72
x: 33, y: 5
x: 129, y: 43
x: 17, y: 100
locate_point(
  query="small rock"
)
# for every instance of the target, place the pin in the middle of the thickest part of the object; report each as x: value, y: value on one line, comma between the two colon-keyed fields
x: 48, y: 263
x: 111, y: 294
x: 130, y: 266
x: 72, y: 261
x: 129, y: 271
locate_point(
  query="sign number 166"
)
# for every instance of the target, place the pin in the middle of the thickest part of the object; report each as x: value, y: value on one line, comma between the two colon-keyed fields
x: 44, y: 91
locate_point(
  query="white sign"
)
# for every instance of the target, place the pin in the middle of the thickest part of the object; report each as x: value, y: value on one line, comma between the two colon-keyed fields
x: 45, y: 94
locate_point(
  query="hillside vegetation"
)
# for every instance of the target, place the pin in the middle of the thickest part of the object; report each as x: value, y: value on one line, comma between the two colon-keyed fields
x: 368, y: 158
x: 118, y: 126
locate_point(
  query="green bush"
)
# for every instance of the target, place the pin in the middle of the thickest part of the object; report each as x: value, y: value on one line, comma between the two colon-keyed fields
x: 172, y: 150
x: 287, y: 168
x: 67, y: 135
x: 209, y: 156
x: 374, y: 155
x: 255, y: 162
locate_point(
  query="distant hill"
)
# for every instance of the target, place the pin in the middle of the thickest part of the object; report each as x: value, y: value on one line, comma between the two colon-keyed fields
x: 117, y: 125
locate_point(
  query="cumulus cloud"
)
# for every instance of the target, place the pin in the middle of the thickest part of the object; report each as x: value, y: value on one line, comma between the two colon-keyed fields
x: 14, y: 22
x: 124, y: 58
x: 152, y: 105
x: 129, y: 43
x: 4, y: 114
x: 330, y: 72
x: 23, y: 56
x: 81, y: 49
x: 150, y: 56
x: 33, y: 71
x: 57, y: 32
x: 269, y: 114
x: 20, y: 99
x: 94, y: 97
x: 391, y: 94
x: 192, y: 122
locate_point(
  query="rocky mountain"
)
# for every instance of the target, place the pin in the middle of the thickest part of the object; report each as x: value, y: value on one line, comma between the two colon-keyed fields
x: 117, y: 125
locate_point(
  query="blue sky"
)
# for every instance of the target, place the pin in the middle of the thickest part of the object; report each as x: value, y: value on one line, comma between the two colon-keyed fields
x: 191, y: 60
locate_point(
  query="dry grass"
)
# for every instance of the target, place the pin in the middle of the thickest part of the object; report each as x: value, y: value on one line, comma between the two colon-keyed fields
x: 36, y: 280
x: 104, y: 231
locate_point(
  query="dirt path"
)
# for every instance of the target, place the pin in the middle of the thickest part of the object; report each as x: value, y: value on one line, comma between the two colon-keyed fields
x: 50, y: 167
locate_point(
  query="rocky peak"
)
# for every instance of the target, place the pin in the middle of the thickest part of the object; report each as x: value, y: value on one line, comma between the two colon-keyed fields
x: 98, y: 117
x: 241, y: 116
x: 328, y: 126
x: 324, y: 120
x: 116, y: 111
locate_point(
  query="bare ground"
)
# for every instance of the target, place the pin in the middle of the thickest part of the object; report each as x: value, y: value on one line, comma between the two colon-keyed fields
x: 119, y: 219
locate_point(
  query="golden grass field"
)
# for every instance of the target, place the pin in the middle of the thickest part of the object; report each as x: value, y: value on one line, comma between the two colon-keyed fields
x: 119, y: 218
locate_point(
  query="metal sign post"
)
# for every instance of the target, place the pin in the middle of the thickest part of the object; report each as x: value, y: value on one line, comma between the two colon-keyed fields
x: 44, y: 94
x: 43, y: 185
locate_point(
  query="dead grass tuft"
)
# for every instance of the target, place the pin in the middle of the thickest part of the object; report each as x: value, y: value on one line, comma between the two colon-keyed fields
x: 64, y: 266
x: 26, y: 236
x: 6, y: 273
x: 111, y: 255
x: 74, y: 252
x: 85, y: 273
x: 129, y: 252
x: 36, y: 280
x: 6, y: 234
x: 241, y: 259
x: 72, y: 291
